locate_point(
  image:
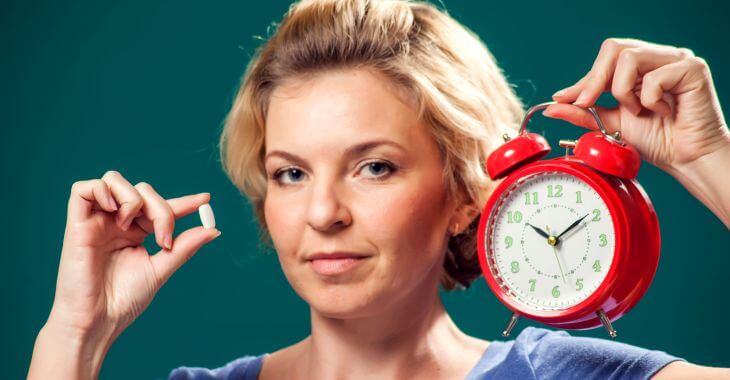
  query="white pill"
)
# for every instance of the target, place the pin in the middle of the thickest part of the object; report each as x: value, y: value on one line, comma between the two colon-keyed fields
x: 206, y: 216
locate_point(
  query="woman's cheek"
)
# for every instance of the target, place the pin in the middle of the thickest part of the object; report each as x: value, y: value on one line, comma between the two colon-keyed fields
x: 411, y: 222
x: 283, y: 224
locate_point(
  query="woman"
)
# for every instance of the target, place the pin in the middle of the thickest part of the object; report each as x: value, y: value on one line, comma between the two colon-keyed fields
x: 358, y: 135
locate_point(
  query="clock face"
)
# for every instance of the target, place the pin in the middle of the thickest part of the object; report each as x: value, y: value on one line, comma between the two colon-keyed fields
x: 552, y: 241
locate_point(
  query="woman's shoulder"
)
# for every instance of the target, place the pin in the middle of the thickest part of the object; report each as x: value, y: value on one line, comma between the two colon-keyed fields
x: 534, y: 353
x: 542, y: 353
x: 246, y: 367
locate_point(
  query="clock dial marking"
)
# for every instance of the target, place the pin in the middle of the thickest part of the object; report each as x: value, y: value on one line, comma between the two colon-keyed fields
x: 560, y: 231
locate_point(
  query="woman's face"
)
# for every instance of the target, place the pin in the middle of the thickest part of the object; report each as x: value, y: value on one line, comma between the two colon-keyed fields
x: 352, y: 169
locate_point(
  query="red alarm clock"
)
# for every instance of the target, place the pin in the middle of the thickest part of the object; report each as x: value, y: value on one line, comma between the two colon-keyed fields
x: 572, y: 242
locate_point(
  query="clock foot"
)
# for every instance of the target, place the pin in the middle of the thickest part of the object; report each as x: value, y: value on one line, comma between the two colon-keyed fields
x: 510, y: 325
x: 606, y: 323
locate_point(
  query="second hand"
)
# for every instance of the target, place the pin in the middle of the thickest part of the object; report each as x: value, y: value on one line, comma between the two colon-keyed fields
x: 555, y: 251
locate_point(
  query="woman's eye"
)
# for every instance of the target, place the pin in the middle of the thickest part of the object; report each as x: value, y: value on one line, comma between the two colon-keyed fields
x: 378, y: 169
x: 293, y: 173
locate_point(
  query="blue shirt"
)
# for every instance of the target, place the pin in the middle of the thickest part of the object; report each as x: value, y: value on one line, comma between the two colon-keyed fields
x: 536, y: 353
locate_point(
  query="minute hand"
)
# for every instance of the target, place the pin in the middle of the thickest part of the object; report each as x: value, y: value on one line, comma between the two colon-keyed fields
x: 577, y: 222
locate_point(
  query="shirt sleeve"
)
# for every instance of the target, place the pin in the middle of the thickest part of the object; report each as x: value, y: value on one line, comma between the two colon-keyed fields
x: 245, y: 368
x: 543, y: 354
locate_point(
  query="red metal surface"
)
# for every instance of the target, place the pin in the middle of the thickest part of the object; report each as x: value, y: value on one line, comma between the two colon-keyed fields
x: 516, y: 152
x: 607, y: 156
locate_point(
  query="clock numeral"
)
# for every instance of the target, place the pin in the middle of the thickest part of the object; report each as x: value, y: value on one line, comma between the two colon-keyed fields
x: 596, y: 215
x: 514, y: 217
x: 556, y: 291
x: 579, y: 284
x: 578, y: 198
x: 515, y: 267
x: 597, y: 266
x: 508, y: 241
x: 602, y: 241
x: 531, y: 200
x: 532, y: 284
x: 557, y: 193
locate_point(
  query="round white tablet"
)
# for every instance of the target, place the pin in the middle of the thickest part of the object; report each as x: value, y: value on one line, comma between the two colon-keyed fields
x: 206, y: 216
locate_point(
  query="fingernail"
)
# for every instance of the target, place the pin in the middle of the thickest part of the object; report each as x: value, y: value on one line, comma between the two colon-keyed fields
x: 635, y: 109
x: 112, y: 203
x: 560, y: 93
x: 128, y: 223
x: 168, y: 241
x: 582, y: 99
x: 218, y: 233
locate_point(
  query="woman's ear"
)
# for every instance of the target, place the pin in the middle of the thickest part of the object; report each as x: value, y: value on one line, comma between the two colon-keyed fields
x: 462, y: 218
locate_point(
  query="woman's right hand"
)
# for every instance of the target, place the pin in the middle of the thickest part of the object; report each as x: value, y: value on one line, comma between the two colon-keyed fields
x: 106, y: 277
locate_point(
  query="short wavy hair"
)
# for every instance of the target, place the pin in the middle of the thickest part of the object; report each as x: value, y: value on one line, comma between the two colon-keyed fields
x: 461, y: 93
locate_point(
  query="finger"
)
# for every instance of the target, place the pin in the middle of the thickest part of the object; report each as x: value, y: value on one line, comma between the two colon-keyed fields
x: 569, y: 94
x: 185, y: 246
x: 126, y: 195
x: 601, y: 73
x: 156, y: 209
x: 633, y: 63
x: 605, y: 60
x: 180, y: 206
x: 85, y: 195
x: 673, y: 79
x: 188, y: 204
x: 610, y: 117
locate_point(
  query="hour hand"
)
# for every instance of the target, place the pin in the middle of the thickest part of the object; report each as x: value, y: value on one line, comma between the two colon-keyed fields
x: 539, y: 231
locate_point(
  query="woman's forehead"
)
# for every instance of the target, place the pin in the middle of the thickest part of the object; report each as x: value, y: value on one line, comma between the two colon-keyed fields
x: 340, y: 107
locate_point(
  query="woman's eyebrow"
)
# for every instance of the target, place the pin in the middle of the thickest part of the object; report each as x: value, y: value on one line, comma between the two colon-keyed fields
x: 352, y: 151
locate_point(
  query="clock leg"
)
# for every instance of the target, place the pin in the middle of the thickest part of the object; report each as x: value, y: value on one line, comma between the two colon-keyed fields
x: 606, y: 323
x: 510, y: 325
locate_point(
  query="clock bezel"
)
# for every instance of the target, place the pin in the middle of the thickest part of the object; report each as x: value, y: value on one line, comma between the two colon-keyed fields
x: 498, y: 255
x: 605, y: 188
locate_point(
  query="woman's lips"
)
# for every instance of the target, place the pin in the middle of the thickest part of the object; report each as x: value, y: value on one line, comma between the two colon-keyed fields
x: 332, y: 267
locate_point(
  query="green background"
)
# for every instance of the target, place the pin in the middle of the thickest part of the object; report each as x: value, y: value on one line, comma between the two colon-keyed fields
x: 142, y: 88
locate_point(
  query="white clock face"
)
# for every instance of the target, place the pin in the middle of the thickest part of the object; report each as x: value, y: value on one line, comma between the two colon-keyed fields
x: 552, y: 241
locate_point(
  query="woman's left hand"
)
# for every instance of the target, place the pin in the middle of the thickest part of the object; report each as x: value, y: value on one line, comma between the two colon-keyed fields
x: 668, y: 108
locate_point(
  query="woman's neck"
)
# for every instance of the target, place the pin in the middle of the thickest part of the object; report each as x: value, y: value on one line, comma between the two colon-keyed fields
x: 416, y: 338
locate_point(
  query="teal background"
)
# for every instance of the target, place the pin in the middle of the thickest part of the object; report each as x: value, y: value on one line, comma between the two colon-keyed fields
x: 142, y: 88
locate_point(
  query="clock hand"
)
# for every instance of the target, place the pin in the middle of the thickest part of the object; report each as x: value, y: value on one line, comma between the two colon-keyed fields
x: 555, y: 251
x: 539, y: 231
x: 577, y: 222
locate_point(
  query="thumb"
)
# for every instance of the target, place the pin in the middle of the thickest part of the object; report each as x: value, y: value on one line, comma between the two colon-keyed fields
x: 610, y: 117
x: 166, y: 262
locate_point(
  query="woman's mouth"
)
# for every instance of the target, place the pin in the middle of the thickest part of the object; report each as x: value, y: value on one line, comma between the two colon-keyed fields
x: 335, y: 266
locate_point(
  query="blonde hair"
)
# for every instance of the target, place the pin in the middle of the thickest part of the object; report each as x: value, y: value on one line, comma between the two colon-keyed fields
x: 461, y: 94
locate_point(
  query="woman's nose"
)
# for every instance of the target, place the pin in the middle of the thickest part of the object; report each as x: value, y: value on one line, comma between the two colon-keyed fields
x: 328, y: 209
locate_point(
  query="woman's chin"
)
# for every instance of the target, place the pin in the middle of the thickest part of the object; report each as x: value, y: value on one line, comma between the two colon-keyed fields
x: 342, y: 301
